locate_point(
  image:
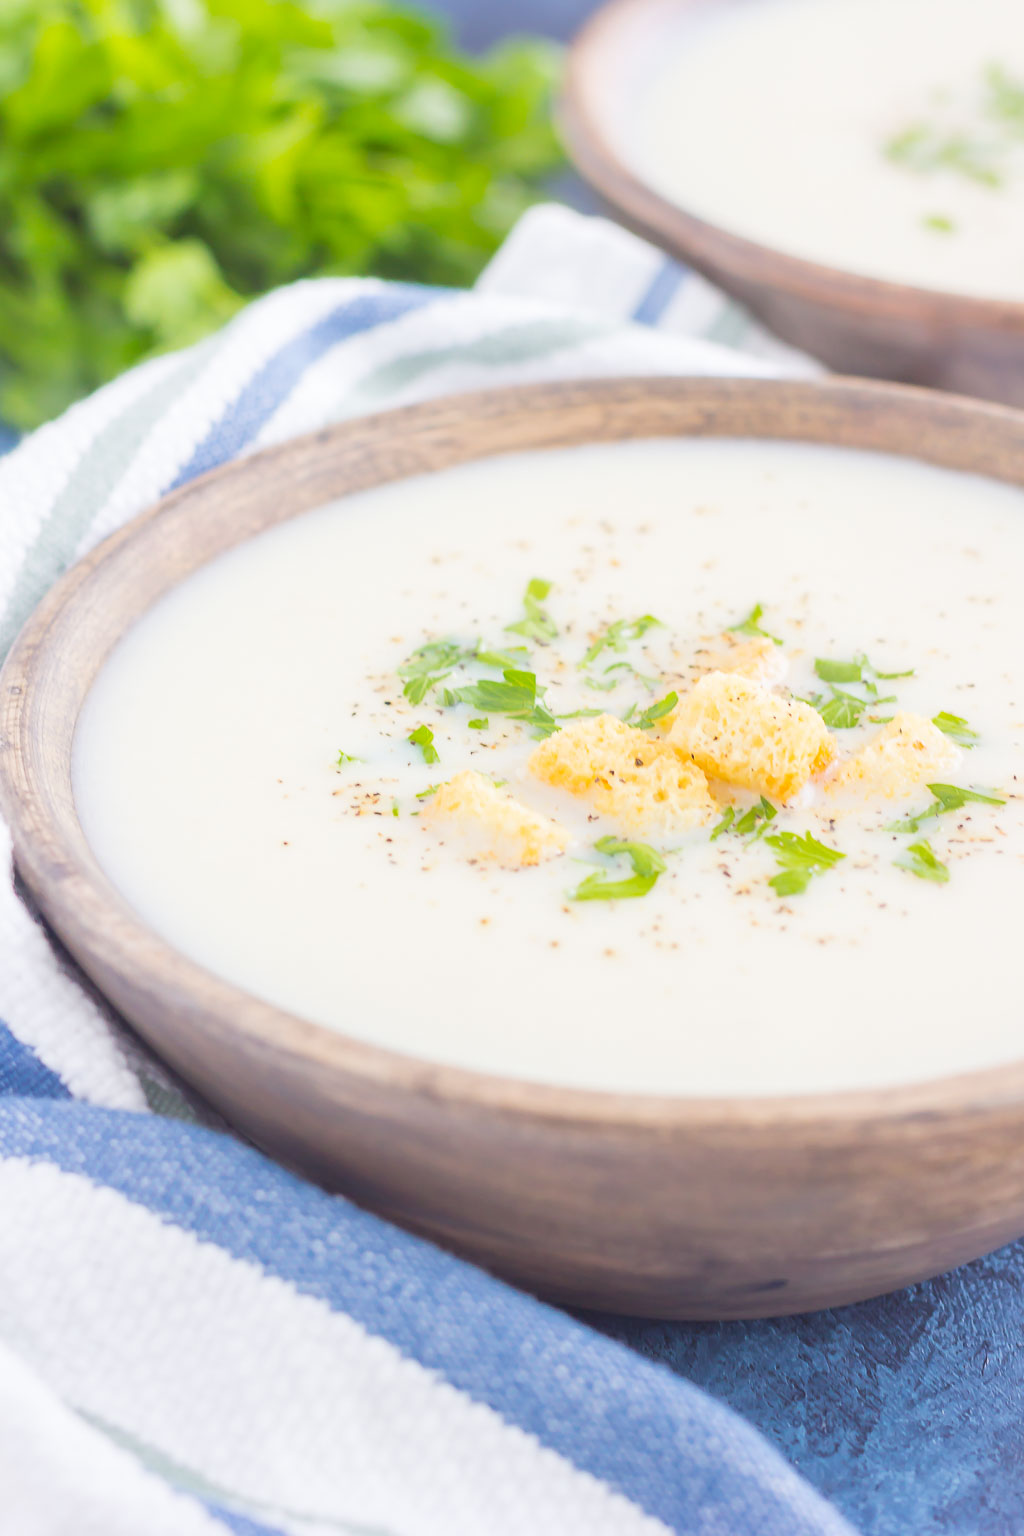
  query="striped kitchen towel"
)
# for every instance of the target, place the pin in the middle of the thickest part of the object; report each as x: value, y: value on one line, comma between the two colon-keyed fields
x: 192, y: 1340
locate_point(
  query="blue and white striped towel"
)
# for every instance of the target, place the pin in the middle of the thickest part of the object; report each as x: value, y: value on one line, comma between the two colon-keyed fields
x: 193, y: 1340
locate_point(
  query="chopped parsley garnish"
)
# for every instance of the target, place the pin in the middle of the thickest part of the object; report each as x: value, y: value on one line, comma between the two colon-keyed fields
x: 956, y: 728
x: 394, y: 808
x: 627, y: 666
x: 647, y: 864
x: 920, y: 860
x: 751, y: 626
x: 657, y: 711
x: 924, y: 148
x: 619, y: 634
x: 427, y: 666
x: 581, y: 714
x: 517, y: 692
x: 728, y: 817
x: 753, y: 823
x: 802, y: 857
x: 939, y: 223
x: 479, y: 724
x: 756, y: 819
x: 948, y: 797
x: 838, y: 671
x: 514, y: 656
x: 516, y: 696
x: 842, y: 710
x: 537, y: 625
x: 425, y: 794
x: 423, y: 737
x: 345, y: 757
x: 602, y: 685
x: 859, y: 670
x: 1005, y: 97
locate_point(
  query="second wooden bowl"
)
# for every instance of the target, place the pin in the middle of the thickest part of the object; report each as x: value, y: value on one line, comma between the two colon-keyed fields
x: 672, y: 1207
x: 855, y: 324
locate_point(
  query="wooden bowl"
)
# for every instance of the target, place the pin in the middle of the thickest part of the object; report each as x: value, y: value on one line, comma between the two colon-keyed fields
x: 671, y: 1207
x: 855, y: 324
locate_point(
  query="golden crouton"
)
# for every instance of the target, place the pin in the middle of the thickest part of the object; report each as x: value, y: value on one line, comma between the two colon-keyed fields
x: 624, y: 773
x: 909, y: 751
x: 502, y: 829
x: 741, y: 732
x: 759, y: 658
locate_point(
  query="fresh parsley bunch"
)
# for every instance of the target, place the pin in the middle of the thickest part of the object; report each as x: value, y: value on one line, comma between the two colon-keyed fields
x: 163, y: 161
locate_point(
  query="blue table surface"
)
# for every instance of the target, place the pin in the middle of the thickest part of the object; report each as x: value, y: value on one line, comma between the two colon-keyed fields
x: 478, y: 23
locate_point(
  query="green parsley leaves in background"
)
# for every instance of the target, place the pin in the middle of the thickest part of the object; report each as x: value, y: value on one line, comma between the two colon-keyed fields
x: 164, y: 161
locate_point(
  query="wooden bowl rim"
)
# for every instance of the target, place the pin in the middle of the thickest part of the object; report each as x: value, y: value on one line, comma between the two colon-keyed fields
x: 89, y: 913
x: 600, y: 163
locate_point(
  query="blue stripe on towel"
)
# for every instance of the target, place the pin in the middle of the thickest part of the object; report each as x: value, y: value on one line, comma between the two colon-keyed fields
x: 660, y: 1442
x: 21, y: 1071
x: 240, y: 1525
x: 272, y: 383
x: 661, y: 290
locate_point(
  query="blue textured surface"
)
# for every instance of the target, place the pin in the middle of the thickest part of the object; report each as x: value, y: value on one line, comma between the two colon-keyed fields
x: 906, y: 1411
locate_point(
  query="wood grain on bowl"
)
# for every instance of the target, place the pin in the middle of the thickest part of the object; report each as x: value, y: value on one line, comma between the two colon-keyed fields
x: 858, y: 325
x: 672, y: 1207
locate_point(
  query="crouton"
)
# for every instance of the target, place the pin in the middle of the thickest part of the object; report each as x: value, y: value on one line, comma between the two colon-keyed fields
x: 739, y: 731
x: 759, y: 659
x: 907, y: 752
x: 499, y: 827
x: 624, y: 773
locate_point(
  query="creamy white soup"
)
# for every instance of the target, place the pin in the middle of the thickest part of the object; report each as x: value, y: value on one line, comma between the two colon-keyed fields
x: 884, y: 137
x: 355, y: 766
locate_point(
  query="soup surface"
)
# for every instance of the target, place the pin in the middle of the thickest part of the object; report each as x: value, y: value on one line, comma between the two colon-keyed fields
x: 245, y: 774
x: 883, y: 137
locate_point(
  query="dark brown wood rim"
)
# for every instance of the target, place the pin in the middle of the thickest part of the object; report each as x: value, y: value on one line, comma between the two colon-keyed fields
x: 89, y: 912
x: 599, y: 162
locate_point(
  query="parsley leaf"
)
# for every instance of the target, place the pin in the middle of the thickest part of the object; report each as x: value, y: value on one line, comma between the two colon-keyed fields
x: 657, y: 711
x: 728, y: 817
x: 753, y: 823
x: 920, y: 860
x: 479, y: 724
x: 924, y: 148
x: 948, y: 797
x: 838, y: 671
x: 756, y: 819
x: 537, y: 625
x: 957, y: 729
x: 802, y: 858
x: 602, y: 687
x: 516, y: 696
x: 488, y: 657
x: 751, y: 625
x: 423, y: 737
x: 345, y: 757
x: 842, y: 711
x: 647, y: 864
x: 428, y: 665
x: 164, y: 163
x: 619, y: 634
